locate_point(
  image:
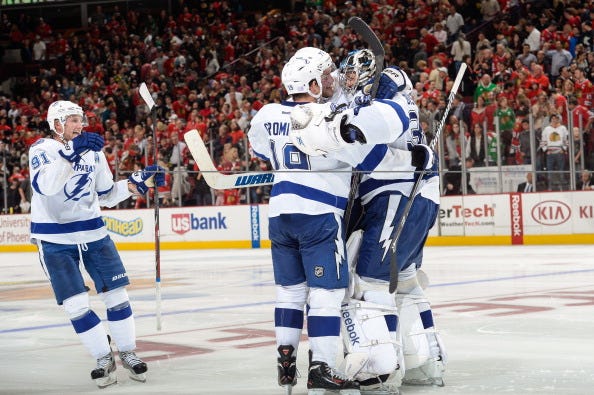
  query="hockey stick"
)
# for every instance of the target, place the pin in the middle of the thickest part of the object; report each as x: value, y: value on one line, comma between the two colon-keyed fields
x: 375, y: 45
x: 148, y: 99
x: 213, y: 177
x: 393, y: 262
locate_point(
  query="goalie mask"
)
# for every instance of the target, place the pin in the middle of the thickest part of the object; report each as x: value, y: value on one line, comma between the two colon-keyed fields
x: 356, y: 70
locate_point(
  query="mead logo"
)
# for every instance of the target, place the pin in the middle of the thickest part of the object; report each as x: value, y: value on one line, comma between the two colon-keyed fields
x: 123, y: 228
x: 551, y: 212
x: 182, y: 223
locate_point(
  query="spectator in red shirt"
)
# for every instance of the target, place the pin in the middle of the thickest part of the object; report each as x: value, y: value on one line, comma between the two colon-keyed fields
x: 584, y: 88
x: 94, y: 125
x: 581, y: 116
x: 429, y: 40
x: 236, y: 133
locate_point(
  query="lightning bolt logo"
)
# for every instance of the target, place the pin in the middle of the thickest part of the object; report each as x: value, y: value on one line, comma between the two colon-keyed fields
x: 388, y: 228
x: 339, y: 252
x: 77, y: 187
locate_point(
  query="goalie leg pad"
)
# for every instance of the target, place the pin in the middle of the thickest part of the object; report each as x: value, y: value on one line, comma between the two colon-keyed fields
x: 366, y: 336
x: 414, y: 337
x: 352, y: 246
x: 424, y: 352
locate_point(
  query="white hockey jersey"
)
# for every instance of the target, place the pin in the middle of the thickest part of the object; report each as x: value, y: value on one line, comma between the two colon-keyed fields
x: 395, y: 172
x: 302, y: 183
x: 65, y: 207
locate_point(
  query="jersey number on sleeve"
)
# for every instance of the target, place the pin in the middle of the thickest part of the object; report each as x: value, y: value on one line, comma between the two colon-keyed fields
x: 36, y: 162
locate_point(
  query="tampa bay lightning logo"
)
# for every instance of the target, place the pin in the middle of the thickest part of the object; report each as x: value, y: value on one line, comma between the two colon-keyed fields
x: 77, y: 187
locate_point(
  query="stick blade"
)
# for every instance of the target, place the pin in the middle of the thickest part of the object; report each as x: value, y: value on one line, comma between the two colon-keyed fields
x: 198, y: 150
x: 459, y: 77
x: 363, y: 29
x: 211, y: 174
x: 375, y: 45
x: 146, y: 96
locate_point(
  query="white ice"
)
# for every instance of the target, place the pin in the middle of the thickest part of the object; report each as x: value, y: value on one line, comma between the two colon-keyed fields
x: 515, y: 320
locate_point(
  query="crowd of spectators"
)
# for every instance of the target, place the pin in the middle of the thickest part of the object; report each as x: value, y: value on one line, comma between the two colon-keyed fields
x: 211, y: 67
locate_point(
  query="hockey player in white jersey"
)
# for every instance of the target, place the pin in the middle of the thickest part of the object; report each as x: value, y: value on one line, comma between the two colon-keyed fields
x: 306, y: 206
x: 383, y: 200
x: 70, y: 178
x: 384, y: 196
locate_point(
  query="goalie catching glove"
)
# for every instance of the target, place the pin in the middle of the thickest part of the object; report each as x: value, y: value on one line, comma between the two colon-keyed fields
x: 149, y: 177
x: 317, y: 130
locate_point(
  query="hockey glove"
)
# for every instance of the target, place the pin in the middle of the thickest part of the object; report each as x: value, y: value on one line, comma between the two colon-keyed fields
x: 392, y: 81
x: 79, y: 145
x: 421, y: 157
x: 149, y: 177
x: 351, y: 133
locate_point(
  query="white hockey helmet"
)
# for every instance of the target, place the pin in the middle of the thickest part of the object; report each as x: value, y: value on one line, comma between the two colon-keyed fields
x: 317, y: 55
x: 299, y: 72
x: 357, y: 69
x: 60, y: 110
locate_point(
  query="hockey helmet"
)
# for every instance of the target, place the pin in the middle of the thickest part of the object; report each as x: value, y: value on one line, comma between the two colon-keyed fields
x: 357, y: 69
x: 299, y: 72
x: 318, y: 56
x: 60, y: 110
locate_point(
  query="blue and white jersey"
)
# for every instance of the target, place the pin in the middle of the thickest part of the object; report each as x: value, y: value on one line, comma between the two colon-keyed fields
x: 65, y: 207
x: 302, y: 183
x: 395, y: 172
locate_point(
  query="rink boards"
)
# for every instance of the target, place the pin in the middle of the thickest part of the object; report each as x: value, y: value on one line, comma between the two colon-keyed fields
x: 497, y: 219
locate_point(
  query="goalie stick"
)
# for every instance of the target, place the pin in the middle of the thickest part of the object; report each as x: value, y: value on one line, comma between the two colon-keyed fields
x: 393, y: 262
x: 375, y: 45
x: 148, y: 99
x: 213, y: 177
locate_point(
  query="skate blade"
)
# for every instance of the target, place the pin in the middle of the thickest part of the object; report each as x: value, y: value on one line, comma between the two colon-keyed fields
x: 379, y: 391
x: 137, y: 377
x: 106, y: 381
x: 437, y: 382
x: 321, y: 391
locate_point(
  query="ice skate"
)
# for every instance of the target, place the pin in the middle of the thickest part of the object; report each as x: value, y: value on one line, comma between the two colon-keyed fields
x: 104, y: 375
x: 430, y: 373
x: 136, y: 368
x: 322, y: 378
x: 378, y: 386
x: 287, y: 368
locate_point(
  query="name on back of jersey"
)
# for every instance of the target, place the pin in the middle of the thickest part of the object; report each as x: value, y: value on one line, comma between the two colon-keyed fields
x: 277, y: 128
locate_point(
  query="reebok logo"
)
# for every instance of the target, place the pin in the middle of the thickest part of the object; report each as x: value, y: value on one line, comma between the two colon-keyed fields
x: 350, y: 327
